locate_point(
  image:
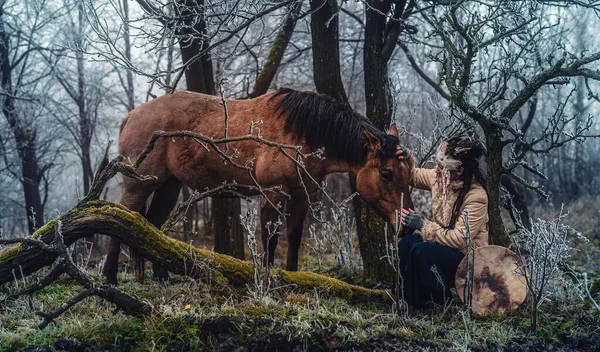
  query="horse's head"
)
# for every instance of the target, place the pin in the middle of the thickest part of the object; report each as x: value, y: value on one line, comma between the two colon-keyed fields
x: 383, y: 178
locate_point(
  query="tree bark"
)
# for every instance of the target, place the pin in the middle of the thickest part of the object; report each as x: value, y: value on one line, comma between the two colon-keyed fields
x: 228, y: 222
x: 129, y: 90
x: 497, y: 231
x: 132, y: 229
x: 199, y: 75
x: 86, y: 130
x: 325, y: 47
x: 517, y: 201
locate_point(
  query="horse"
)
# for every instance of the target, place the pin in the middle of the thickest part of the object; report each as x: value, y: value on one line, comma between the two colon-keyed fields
x: 349, y: 142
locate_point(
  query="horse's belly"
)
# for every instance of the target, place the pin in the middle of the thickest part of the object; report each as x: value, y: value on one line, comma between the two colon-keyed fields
x: 202, y: 178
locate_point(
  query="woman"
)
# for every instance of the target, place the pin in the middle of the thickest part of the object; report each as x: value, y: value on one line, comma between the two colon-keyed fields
x: 429, y: 257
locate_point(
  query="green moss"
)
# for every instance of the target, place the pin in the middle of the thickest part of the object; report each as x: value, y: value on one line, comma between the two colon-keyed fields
x: 45, y: 229
x: 102, y: 203
x: 156, y: 243
x: 206, y: 265
x: 237, y: 271
x: 10, y: 253
x: 308, y: 281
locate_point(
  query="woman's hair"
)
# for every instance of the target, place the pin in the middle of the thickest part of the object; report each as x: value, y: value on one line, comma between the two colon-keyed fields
x: 464, y: 147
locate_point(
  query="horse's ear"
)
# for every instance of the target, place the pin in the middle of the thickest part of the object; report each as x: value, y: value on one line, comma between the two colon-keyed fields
x: 393, y: 130
x: 373, y: 142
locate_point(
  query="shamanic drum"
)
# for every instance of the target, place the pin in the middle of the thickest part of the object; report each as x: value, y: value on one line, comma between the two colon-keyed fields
x: 498, y: 285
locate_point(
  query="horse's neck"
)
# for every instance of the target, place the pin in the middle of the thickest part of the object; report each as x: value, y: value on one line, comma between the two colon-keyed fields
x: 340, y: 166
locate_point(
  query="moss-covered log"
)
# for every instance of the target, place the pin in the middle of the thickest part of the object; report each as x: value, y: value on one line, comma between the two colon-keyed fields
x: 132, y: 229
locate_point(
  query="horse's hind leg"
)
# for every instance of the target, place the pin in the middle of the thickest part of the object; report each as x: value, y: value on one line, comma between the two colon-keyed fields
x: 133, y: 196
x: 296, y: 208
x: 163, y: 202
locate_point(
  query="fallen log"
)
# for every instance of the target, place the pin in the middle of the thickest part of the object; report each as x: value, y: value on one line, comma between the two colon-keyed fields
x: 134, y: 230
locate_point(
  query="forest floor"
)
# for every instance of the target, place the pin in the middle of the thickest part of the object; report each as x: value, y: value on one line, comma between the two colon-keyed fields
x: 194, y: 315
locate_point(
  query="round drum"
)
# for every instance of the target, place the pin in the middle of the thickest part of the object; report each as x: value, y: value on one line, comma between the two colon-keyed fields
x: 498, y: 285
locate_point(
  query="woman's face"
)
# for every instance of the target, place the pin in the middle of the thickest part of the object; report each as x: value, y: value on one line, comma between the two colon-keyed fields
x: 454, y: 174
x: 445, y: 164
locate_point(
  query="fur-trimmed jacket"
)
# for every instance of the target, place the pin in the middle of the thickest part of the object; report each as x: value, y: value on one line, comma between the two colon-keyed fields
x: 437, y: 229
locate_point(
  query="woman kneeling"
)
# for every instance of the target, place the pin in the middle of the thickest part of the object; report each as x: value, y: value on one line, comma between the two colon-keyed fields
x: 432, y: 249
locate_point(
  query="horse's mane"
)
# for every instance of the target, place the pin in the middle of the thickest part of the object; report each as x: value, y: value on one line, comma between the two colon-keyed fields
x: 324, y: 122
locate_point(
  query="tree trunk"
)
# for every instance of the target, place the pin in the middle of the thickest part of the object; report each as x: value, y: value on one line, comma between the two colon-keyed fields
x: 25, y: 137
x: 26, y: 146
x: 199, y: 75
x: 86, y: 129
x: 200, y: 78
x: 133, y: 230
x: 281, y: 42
x: 325, y: 47
x: 517, y: 201
x: 228, y: 222
x: 580, y: 175
x: 370, y: 226
x: 130, y: 88
x: 497, y: 231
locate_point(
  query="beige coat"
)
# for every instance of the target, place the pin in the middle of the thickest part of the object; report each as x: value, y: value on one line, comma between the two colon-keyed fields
x: 436, y: 230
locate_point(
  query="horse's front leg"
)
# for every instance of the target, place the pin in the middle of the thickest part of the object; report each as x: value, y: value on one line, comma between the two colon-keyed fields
x: 269, y: 215
x: 296, y: 209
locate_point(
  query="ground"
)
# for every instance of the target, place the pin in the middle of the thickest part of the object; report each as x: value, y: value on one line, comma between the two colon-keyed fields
x: 206, y: 316
x: 194, y: 315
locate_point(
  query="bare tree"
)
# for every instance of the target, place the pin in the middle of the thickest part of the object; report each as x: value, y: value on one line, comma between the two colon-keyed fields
x: 21, y: 43
x: 488, y: 56
x: 83, y: 87
x: 269, y: 69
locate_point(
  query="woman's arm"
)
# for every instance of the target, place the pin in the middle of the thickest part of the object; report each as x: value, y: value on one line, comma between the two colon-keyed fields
x: 422, y: 178
x: 455, y: 238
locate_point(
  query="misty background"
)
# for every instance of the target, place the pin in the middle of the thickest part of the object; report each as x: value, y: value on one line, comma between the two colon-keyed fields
x: 72, y: 69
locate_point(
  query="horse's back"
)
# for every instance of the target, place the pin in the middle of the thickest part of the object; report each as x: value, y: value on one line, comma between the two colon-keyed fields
x: 167, y: 112
x: 203, y: 114
x: 191, y: 111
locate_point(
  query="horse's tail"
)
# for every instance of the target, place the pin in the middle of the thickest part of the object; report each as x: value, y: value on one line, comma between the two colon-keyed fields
x: 136, y: 259
x: 123, y: 124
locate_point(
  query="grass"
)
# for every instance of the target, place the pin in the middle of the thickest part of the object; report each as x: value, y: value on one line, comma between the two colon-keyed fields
x: 195, y: 316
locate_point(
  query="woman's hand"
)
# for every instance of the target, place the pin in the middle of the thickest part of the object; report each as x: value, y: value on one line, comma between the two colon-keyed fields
x: 402, y: 152
x: 411, y: 220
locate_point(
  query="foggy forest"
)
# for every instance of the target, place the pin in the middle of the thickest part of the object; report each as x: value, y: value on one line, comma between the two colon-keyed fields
x: 303, y: 254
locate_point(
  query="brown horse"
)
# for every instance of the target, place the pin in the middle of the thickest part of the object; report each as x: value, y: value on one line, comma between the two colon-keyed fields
x: 351, y: 144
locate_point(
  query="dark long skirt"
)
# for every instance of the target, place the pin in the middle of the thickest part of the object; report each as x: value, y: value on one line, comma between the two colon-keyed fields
x: 428, y: 270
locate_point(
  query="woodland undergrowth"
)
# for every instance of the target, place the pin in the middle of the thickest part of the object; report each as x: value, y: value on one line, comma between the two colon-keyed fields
x: 194, y: 315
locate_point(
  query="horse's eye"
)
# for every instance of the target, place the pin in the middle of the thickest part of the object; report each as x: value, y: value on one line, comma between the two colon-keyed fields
x: 386, y: 175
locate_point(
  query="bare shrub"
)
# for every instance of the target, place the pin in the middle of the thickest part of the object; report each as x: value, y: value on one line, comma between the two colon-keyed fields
x: 319, y: 241
x: 343, y: 226
x: 544, y: 250
x: 263, y: 279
